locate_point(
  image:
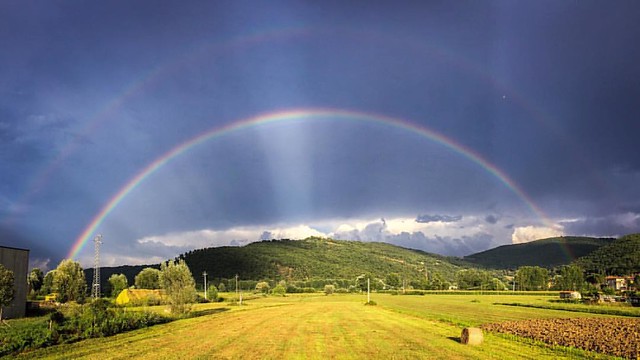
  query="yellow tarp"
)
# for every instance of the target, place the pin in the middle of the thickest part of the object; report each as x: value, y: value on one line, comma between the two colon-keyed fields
x: 139, y: 296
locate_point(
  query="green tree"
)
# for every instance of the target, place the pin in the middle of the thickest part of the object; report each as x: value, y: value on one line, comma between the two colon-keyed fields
x: 596, y: 280
x: 118, y: 283
x: 438, y: 282
x: 47, y: 283
x: 393, y: 280
x: 69, y: 281
x: 35, y: 280
x: 532, y: 278
x: 262, y: 287
x: 212, y: 293
x: 148, y: 278
x: 571, y: 278
x: 374, y: 284
x: 497, y: 284
x: 7, y: 291
x: 221, y: 287
x: 474, y: 279
x: 178, y: 283
x: 279, y: 290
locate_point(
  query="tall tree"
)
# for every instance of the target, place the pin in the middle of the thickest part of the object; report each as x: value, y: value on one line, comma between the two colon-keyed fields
x: 148, y: 278
x: 47, y: 283
x: 7, y: 292
x: 118, y: 283
x: 35, y: 280
x: 393, y: 280
x: 532, y: 278
x: 571, y: 278
x: 177, y: 281
x: 474, y: 279
x: 69, y: 281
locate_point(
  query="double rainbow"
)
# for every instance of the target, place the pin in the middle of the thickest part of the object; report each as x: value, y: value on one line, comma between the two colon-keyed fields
x: 291, y: 116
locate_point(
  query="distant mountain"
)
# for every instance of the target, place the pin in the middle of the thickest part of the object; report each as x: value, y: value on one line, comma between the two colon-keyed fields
x: 301, y: 260
x: 316, y: 258
x: 547, y: 253
x: 621, y: 257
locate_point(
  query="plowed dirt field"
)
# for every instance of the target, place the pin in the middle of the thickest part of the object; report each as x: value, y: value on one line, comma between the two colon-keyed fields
x: 613, y: 336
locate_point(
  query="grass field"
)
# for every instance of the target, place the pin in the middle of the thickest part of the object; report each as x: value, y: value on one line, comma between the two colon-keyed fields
x: 336, y: 326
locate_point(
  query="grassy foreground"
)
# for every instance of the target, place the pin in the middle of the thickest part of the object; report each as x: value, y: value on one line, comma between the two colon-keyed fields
x: 320, y: 327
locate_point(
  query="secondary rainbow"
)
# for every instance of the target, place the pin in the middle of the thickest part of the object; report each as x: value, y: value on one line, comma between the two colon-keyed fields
x: 296, y: 115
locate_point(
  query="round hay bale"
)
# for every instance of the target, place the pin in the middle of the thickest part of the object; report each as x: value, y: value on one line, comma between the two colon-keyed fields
x: 471, y: 336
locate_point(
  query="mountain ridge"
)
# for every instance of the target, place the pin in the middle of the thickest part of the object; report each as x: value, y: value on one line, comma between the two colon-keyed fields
x: 549, y: 253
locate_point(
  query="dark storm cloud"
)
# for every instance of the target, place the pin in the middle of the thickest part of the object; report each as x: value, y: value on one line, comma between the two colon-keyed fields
x: 491, y: 219
x: 444, y: 245
x: 588, y: 124
x: 437, y: 218
x: 545, y: 92
x: 450, y: 246
x: 611, y: 225
x: 41, y: 252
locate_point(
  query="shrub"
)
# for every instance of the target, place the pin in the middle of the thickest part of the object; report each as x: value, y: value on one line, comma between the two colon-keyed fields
x: 262, y: 287
x: 212, y: 293
x: 329, y: 289
x: 279, y: 290
x: 609, y: 291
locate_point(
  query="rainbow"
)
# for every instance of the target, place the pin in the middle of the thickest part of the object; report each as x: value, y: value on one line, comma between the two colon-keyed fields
x: 296, y: 115
x: 209, y: 48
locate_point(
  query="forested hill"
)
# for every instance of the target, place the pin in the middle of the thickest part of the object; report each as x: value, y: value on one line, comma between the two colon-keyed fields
x: 316, y: 258
x: 547, y: 253
x: 621, y: 257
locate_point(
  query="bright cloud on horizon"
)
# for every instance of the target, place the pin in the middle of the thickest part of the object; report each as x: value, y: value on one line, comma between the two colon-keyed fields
x: 526, y: 234
x: 447, y: 235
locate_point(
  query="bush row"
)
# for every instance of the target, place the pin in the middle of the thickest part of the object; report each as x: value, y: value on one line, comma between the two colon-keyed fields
x: 96, y: 319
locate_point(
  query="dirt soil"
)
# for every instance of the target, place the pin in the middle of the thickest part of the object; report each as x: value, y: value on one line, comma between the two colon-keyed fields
x: 613, y: 336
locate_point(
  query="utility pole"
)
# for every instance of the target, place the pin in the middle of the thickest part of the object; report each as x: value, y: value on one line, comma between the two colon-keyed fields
x: 95, y: 287
x: 368, y: 292
x: 236, y: 285
x: 205, y: 284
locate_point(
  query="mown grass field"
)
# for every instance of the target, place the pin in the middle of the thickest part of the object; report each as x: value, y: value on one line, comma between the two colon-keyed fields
x: 336, y: 326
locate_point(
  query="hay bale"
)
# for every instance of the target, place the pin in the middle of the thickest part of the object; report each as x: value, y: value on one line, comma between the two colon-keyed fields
x: 471, y: 336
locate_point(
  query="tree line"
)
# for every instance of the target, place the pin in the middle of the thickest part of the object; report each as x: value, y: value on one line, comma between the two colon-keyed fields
x: 68, y: 284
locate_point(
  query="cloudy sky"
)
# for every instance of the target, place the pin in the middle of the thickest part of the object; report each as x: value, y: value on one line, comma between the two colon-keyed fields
x: 450, y: 127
